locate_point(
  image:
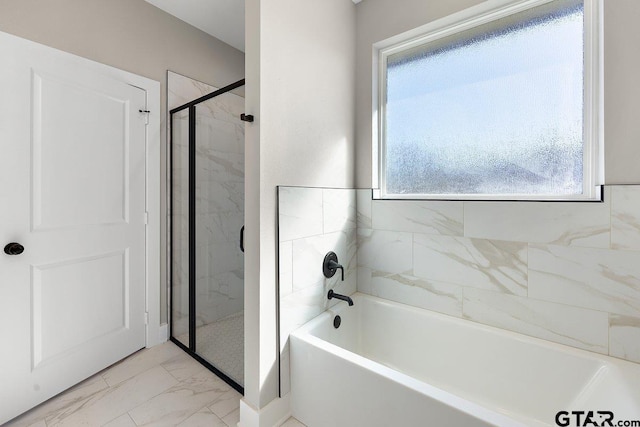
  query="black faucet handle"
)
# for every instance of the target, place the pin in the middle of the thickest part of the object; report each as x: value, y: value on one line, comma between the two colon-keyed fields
x: 330, y: 265
x: 334, y: 265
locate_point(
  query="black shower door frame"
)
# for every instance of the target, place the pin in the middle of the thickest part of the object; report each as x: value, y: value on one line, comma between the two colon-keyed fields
x: 191, y: 348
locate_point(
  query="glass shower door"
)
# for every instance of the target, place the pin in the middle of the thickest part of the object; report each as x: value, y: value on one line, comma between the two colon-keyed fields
x: 219, y: 219
x: 207, y: 216
x: 180, y: 226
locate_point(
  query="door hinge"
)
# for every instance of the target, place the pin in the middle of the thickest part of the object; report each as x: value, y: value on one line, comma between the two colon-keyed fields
x: 146, y: 115
x: 146, y: 218
x: 146, y: 318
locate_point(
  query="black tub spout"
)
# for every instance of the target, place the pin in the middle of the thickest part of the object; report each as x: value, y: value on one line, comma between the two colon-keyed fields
x: 332, y: 295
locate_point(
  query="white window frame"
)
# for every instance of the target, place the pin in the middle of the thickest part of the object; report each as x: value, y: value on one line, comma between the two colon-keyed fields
x: 593, y: 161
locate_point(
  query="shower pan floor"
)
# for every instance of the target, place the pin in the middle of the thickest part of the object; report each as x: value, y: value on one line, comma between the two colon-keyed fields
x: 221, y: 343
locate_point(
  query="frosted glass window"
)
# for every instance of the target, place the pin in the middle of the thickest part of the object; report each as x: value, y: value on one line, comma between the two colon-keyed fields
x: 493, y: 110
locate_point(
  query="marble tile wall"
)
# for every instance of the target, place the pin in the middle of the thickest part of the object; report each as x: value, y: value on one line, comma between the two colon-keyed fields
x: 312, y: 222
x: 219, y: 201
x: 564, y: 272
x: 219, y: 208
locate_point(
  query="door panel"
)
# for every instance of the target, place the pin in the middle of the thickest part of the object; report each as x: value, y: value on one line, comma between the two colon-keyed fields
x: 100, y: 140
x: 104, y: 309
x: 72, y: 192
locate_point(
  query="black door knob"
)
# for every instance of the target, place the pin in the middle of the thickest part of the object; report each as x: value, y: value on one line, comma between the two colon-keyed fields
x: 13, y: 249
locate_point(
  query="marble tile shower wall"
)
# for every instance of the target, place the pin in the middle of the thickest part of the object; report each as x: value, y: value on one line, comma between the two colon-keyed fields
x: 563, y: 272
x: 219, y: 201
x: 220, y: 208
x: 312, y: 222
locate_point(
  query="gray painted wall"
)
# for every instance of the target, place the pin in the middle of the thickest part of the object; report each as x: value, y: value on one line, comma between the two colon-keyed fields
x: 131, y: 35
x: 621, y: 91
x: 300, y: 87
x: 380, y: 19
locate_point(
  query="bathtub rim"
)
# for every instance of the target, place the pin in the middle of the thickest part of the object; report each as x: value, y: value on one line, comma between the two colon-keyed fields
x: 305, y: 333
x: 467, y: 323
x: 446, y: 398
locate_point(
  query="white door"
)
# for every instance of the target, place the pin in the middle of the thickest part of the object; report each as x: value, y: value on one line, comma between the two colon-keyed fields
x: 72, y: 193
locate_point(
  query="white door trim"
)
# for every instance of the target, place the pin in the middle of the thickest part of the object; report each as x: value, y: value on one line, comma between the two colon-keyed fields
x: 152, y: 187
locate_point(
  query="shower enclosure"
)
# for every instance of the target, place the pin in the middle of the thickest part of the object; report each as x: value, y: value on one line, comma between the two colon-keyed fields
x: 206, y: 223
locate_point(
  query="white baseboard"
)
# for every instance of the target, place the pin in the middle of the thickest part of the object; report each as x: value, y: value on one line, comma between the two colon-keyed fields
x: 272, y: 415
x: 163, y: 333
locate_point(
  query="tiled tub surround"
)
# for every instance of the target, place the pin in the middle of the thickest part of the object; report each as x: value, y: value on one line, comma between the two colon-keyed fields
x: 312, y: 222
x: 565, y: 272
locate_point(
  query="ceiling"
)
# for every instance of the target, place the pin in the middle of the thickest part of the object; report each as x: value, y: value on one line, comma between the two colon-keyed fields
x: 223, y: 19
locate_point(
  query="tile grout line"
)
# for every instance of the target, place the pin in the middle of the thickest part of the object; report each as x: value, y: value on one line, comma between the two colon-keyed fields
x: 131, y: 418
x: 156, y: 365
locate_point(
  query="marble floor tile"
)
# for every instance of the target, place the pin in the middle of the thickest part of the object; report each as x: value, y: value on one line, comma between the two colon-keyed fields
x: 140, y: 362
x: 65, y: 403
x: 227, y: 403
x: 26, y: 423
x: 122, y: 421
x: 39, y: 423
x: 176, y: 404
x: 292, y: 422
x: 157, y: 386
x: 118, y: 400
x: 91, y: 381
x: 203, y: 418
x: 233, y: 418
x: 182, y: 366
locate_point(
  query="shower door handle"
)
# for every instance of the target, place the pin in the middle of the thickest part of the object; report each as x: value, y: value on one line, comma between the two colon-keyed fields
x: 242, y: 239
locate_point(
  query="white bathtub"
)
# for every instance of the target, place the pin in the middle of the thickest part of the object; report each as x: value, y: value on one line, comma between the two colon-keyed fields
x: 393, y: 365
